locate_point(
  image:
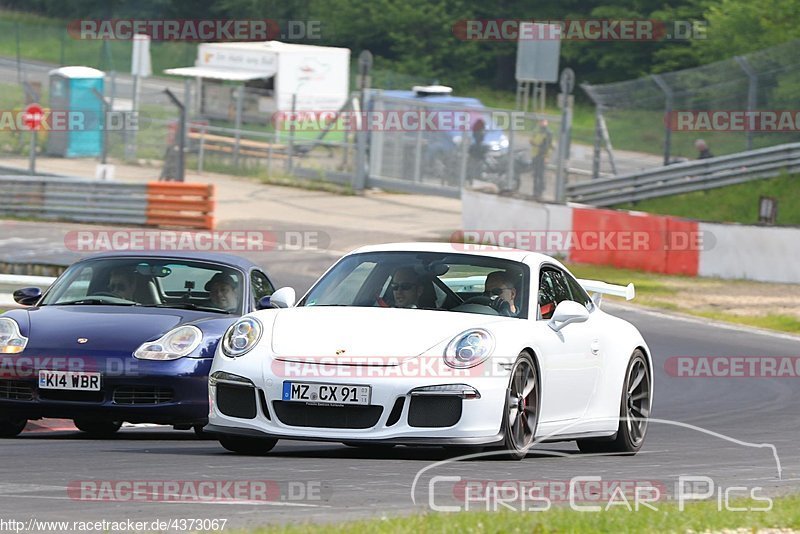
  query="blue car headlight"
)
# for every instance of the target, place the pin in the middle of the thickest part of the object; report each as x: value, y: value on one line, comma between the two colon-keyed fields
x: 241, y: 337
x: 11, y: 341
x: 469, y: 348
x: 175, y: 344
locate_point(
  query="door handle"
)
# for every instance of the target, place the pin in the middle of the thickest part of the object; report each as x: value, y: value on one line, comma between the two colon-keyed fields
x: 595, y: 346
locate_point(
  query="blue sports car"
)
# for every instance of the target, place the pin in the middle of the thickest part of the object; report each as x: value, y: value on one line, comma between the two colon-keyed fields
x: 123, y: 337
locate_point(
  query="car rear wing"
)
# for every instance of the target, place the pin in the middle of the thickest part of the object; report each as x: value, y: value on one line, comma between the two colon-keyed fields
x: 598, y: 289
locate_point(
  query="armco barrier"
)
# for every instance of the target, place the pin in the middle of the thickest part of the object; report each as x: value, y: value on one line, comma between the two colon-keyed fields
x: 177, y: 205
x: 675, y: 246
x: 180, y: 205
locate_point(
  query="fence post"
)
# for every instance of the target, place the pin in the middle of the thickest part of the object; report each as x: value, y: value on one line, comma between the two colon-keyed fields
x: 668, y: 102
x: 290, y: 159
x: 181, y: 134
x: 238, y: 134
x: 104, y: 104
x: 567, y: 83
x: 752, y: 94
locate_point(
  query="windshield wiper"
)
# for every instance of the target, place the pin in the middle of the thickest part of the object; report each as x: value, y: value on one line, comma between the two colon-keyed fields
x: 189, y: 306
x: 93, y: 301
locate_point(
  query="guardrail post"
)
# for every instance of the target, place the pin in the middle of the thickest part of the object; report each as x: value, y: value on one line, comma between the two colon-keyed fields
x: 667, y: 112
x: 752, y: 94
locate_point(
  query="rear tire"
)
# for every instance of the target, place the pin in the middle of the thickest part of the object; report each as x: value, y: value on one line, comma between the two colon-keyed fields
x: 634, y: 411
x: 11, y: 427
x: 247, y: 446
x: 98, y: 429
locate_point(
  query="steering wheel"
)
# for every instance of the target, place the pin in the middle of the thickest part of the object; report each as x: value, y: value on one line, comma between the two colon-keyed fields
x: 104, y: 294
x: 496, y: 303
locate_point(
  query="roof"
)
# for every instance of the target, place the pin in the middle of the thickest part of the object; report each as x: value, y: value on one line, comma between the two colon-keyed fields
x: 512, y: 254
x: 277, y: 46
x: 216, y: 257
x: 77, y: 72
x: 220, y: 73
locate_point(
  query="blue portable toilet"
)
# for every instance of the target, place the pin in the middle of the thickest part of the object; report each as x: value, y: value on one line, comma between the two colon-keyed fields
x: 71, y: 90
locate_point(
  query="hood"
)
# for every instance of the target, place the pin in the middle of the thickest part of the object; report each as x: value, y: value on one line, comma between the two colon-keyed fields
x: 107, y: 328
x: 375, y: 334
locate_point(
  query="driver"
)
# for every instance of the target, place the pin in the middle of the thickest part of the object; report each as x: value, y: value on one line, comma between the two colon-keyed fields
x: 122, y: 283
x: 222, y: 291
x: 406, y: 288
x: 500, y: 287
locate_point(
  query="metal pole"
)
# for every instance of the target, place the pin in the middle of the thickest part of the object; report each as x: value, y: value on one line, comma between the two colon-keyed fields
x: 19, y: 55
x: 32, y: 162
x: 510, y: 170
x: 130, y: 146
x: 238, y: 134
x: 361, y: 173
x: 567, y: 83
x: 181, y: 134
x: 752, y: 94
x: 290, y: 159
x: 668, y: 101
x: 104, y: 124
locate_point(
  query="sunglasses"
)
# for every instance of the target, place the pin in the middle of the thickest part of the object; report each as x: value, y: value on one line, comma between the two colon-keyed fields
x: 403, y: 286
x: 497, y: 291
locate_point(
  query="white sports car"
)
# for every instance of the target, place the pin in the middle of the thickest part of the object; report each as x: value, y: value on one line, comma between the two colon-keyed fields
x: 435, y: 344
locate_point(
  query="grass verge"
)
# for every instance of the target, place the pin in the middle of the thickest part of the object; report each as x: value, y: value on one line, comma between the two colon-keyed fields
x: 696, y: 517
x: 734, y: 203
x: 733, y: 301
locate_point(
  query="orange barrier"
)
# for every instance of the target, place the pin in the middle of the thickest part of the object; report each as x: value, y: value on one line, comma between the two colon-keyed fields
x: 180, y: 205
x: 646, y: 242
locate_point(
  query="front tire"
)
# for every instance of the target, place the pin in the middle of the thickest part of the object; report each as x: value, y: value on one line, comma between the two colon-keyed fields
x: 98, y: 429
x: 521, y: 414
x: 247, y: 446
x: 11, y: 427
x: 634, y: 411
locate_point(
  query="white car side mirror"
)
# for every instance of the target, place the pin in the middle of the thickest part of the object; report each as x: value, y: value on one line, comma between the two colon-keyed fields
x: 285, y: 297
x: 568, y: 312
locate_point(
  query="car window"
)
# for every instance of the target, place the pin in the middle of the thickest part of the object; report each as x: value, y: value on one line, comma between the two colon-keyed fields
x: 578, y: 293
x: 260, y: 286
x: 556, y: 286
x: 425, y: 280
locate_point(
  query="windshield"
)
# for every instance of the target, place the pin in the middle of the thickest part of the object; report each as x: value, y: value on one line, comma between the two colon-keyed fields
x: 152, y: 282
x: 432, y: 281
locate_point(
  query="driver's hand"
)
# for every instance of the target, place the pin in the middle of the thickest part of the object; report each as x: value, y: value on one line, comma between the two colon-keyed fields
x: 500, y: 305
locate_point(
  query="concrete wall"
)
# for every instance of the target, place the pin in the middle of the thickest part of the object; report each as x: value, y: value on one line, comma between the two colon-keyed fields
x: 729, y: 251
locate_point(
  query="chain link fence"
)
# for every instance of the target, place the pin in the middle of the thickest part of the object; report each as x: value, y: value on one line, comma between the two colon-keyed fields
x: 640, y: 113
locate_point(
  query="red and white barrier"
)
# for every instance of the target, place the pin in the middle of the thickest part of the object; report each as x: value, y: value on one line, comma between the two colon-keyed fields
x: 633, y: 240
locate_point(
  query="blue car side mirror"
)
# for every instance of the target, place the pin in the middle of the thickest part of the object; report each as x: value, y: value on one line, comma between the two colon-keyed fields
x: 27, y: 296
x: 264, y: 303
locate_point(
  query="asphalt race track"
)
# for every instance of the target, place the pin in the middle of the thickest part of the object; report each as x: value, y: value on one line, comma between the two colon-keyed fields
x: 331, y: 482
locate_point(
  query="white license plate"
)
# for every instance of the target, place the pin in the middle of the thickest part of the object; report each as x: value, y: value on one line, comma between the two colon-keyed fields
x: 70, y: 380
x: 326, y: 393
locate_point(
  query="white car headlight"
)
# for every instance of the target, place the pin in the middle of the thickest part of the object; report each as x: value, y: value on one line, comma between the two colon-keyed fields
x: 11, y: 341
x: 174, y: 344
x: 241, y: 337
x: 469, y: 348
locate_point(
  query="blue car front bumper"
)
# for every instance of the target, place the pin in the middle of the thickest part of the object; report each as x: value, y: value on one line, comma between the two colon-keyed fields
x: 134, y: 391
